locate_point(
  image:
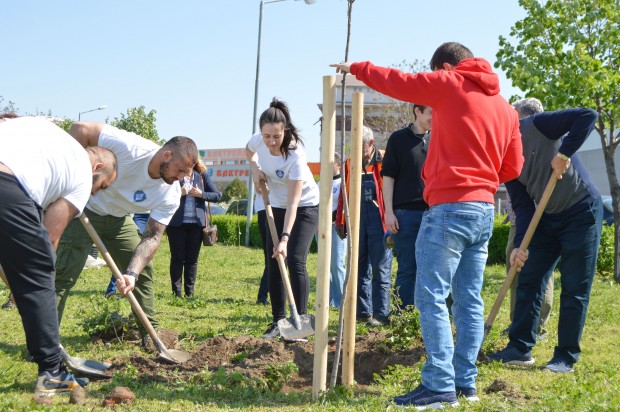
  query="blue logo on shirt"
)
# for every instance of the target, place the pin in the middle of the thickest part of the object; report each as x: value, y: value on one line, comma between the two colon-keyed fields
x: 139, y: 196
x: 280, y: 173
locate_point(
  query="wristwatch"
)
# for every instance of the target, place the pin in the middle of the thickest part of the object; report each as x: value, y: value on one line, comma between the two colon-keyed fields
x: 285, y: 234
x: 132, y: 274
x: 562, y: 156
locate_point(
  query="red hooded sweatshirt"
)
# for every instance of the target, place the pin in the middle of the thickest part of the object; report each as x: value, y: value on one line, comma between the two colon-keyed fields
x: 475, y: 141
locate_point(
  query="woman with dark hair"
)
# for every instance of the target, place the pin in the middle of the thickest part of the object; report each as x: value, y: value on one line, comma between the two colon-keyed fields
x: 185, y: 228
x: 294, y: 197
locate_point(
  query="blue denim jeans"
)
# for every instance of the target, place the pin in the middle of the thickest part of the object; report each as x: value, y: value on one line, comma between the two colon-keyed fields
x: 409, y: 222
x: 337, y: 268
x: 451, y: 252
x: 573, y: 240
x: 374, y: 262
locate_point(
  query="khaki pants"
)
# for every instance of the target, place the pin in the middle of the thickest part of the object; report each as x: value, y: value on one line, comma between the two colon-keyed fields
x: 545, y: 310
x: 120, y: 236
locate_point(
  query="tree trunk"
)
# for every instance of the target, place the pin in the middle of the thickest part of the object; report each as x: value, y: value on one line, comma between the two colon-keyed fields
x: 614, y: 188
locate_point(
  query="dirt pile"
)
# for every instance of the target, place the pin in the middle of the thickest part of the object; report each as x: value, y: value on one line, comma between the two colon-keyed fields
x: 251, y: 356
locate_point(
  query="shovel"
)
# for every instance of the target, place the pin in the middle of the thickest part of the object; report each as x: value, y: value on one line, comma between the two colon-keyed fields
x: 168, y: 355
x: 540, y: 208
x: 86, y: 367
x: 297, y: 326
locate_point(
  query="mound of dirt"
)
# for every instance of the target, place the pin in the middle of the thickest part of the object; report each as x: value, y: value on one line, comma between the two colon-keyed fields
x: 251, y: 356
x: 508, y: 389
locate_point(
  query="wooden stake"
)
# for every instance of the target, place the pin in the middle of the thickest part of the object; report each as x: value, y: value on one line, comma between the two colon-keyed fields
x: 355, y: 190
x: 328, y: 139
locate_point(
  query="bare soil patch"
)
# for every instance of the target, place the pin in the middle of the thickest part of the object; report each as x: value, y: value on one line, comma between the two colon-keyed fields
x: 251, y: 356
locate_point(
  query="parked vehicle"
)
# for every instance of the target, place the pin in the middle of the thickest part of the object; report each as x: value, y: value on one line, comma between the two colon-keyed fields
x: 217, y: 209
x: 238, y: 207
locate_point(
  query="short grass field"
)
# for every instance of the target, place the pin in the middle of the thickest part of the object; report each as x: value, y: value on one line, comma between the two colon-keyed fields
x: 225, y: 305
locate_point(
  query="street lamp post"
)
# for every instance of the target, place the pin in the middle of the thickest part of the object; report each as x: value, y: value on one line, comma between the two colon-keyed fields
x: 91, y: 110
x: 250, y: 204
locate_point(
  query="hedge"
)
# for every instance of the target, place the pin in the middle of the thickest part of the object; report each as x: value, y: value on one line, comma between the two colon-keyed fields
x: 497, y: 246
x: 231, y: 231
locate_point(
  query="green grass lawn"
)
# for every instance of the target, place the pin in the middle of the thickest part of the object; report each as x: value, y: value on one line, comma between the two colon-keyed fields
x: 225, y: 305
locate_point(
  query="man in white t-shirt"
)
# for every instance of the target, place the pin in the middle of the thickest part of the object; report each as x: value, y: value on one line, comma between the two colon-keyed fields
x: 46, y: 178
x: 147, y: 181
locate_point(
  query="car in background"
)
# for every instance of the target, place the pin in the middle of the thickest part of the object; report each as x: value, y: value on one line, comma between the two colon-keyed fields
x: 608, y: 210
x: 217, y: 209
x: 238, y: 207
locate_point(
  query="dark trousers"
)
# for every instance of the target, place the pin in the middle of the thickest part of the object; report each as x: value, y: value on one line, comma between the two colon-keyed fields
x: 297, y: 253
x: 263, y: 289
x: 28, y: 260
x: 574, y: 240
x: 185, y: 243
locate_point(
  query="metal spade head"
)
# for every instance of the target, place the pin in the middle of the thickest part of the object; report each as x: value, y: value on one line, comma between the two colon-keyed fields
x: 289, y: 330
x: 86, y: 367
x: 171, y: 355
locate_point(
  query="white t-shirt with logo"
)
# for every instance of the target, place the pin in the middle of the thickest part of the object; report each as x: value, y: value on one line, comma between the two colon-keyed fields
x: 48, y: 162
x: 280, y: 170
x: 134, y: 191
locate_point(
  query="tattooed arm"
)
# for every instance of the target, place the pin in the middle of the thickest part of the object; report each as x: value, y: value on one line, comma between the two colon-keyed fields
x: 142, y: 255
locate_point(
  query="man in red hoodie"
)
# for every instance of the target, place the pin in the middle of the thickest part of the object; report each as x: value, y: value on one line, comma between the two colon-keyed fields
x: 476, y: 145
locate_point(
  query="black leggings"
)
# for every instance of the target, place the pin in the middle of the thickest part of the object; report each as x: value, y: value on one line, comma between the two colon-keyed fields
x: 27, y: 256
x: 298, y: 246
x: 185, y: 243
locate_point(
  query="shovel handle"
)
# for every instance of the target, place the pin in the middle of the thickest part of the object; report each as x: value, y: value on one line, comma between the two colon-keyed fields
x: 540, y: 208
x: 279, y: 257
x: 117, y: 275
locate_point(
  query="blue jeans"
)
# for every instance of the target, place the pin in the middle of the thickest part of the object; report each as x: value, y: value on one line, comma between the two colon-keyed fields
x: 337, y: 268
x: 574, y: 240
x: 451, y: 252
x: 409, y: 222
x: 374, y: 266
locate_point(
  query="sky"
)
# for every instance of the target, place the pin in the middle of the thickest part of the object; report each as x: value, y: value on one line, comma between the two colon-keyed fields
x: 194, y: 61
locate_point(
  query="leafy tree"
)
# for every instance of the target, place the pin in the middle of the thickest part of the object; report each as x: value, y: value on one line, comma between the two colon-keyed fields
x: 235, y: 190
x: 8, y: 108
x: 397, y: 114
x: 138, y: 121
x: 567, y: 54
x: 64, y: 124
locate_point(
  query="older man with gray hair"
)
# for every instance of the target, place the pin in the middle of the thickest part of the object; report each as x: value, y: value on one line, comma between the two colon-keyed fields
x: 526, y: 107
x: 374, y: 259
x: 569, y: 232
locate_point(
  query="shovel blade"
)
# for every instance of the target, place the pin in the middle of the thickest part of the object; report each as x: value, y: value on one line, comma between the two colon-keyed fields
x: 288, y: 331
x: 86, y: 367
x: 174, y: 356
x: 171, y: 355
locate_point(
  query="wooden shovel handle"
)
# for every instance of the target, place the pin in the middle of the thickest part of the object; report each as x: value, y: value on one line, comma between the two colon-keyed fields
x: 117, y: 275
x: 540, y: 208
x: 276, y: 240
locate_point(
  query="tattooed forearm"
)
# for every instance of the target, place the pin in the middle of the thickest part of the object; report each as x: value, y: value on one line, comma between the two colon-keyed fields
x: 147, y: 247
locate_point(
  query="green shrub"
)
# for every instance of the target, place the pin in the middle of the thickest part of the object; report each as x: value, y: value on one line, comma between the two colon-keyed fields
x: 497, y: 244
x: 605, y: 262
x: 231, y: 230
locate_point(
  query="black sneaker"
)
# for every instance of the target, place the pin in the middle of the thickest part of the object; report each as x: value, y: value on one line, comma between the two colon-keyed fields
x: 61, y: 383
x: 468, y: 393
x: 377, y: 322
x: 511, y: 356
x: 82, y: 381
x: 423, y: 398
x: 272, y: 332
